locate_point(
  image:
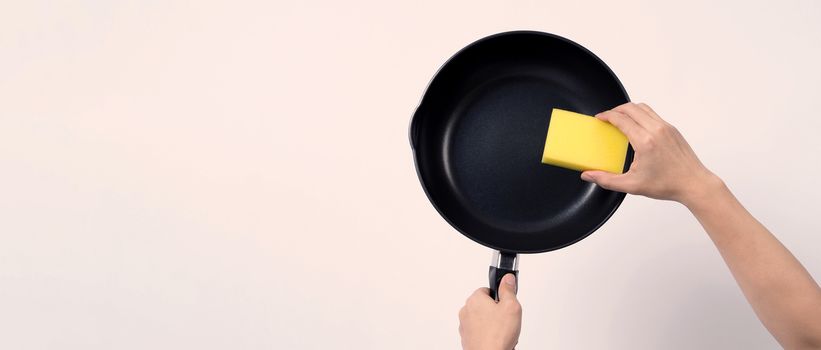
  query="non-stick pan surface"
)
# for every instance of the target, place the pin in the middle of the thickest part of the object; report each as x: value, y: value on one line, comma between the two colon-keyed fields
x: 479, y: 133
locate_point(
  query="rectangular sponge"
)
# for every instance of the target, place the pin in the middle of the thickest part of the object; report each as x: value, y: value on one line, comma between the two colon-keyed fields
x: 580, y: 142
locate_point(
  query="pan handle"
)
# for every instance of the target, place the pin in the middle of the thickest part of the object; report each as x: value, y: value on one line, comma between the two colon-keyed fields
x: 502, y: 264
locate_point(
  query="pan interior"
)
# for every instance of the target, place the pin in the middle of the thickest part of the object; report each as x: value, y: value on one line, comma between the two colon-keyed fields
x: 494, y: 155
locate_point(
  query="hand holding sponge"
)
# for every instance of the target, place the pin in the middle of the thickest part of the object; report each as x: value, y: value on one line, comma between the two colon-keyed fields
x: 580, y: 142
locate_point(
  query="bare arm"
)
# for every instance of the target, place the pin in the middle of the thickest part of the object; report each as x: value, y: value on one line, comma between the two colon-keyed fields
x: 783, y: 294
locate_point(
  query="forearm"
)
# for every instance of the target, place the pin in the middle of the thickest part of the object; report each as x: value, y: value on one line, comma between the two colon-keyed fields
x: 780, y: 290
x: 782, y: 293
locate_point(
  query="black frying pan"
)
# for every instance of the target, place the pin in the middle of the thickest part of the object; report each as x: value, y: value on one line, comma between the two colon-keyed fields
x: 478, y: 137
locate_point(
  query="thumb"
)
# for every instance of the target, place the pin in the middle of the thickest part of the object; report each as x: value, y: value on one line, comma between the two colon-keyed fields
x: 507, y: 289
x: 610, y: 181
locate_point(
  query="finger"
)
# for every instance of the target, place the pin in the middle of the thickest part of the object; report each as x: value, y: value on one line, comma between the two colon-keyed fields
x: 507, y: 288
x: 610, y: 181
x: 482, y: 291
x: 650, y: 111
x: 479, y: 295
x: 640, y: 116
x: 624, y: 123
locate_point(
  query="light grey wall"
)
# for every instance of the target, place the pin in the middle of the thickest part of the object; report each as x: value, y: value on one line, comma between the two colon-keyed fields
x: 236, y: 175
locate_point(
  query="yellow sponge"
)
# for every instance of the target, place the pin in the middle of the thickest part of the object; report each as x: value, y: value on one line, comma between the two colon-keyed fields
x: 580, y: 142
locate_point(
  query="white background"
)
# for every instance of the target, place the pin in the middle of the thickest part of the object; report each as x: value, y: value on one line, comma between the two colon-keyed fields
x: 237, y: 175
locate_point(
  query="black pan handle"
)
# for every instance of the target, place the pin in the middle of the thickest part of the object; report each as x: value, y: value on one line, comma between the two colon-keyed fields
x: 502, y: 264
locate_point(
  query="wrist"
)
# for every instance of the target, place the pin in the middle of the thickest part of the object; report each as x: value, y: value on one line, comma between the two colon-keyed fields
x: 703, y: 190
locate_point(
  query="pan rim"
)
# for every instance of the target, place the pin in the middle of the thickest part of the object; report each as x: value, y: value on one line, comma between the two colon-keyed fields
x: 413, y: 130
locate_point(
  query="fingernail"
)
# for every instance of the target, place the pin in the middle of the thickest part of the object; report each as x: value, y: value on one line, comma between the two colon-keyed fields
x: 510, y: 279
x: 587, y: 177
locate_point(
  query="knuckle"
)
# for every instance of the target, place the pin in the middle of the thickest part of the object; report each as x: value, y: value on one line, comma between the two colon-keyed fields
x: 649, y: 141
x: 660, y: 129
x: 645, y: 107
x: 470, y: 302
x: 643, y: 143
x: 618, y: 118
x: 517, y: 307
x: 472, y: 297
x: 513, y: 307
